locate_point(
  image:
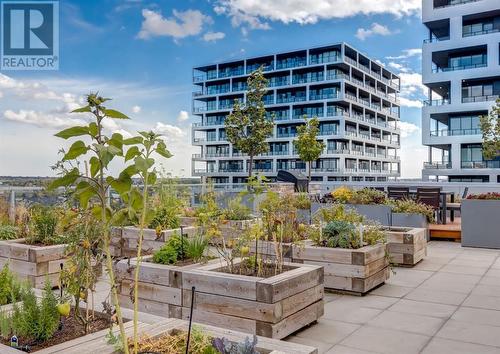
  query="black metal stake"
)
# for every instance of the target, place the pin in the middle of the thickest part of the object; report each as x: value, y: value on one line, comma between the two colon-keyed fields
x: 61, y: 265
x: 190, y: 319
x: 182, y: 242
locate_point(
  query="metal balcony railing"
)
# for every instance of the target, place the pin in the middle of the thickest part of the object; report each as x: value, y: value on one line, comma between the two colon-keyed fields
x: 437, y: 165
x: 454, y: 132
x: 439, y: 102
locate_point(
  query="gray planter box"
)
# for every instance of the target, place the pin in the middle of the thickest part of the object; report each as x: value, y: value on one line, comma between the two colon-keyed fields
x: 304, y: 216
x: 411, y: 220
x: 481, y: 223
x: 378, y: 213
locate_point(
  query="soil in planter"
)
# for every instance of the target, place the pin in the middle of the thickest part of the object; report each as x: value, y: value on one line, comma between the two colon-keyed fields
x: 246, y: 268
x: 72, y: 329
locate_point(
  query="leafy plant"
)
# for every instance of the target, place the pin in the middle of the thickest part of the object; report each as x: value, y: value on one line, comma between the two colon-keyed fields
x: 490, y: 126
x: 342, y: 234
x: 306, y: 144
x: 196, y: 247
x: 236, y: 210
x: 302, y: 201
x: 337, y: 212
x: 342, y: 194
x: 85, y: 259
x: 175, y: 342
x: 43, y: 226
x: 247, y: 127
x: 10, y: 287
x: 368, y: 196
x: 224, y: 346
x: 413, y: 207
x: 485, y: 196
x: 166, y: 207
x: 165, y: 218
x: 8, y: 232
x: 37, y: 321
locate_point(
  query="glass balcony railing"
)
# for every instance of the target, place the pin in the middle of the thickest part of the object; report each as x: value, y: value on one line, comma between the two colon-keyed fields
x: 453, y: 3
x: 287, y: 99
x: 324, y: 58
x: 439, y: 102
x: 322, y: 96
x: 479, y: 98
x: 481, y: 164
x: 479, y: 32
x: 453, y: 132
x: 436, y: 39
x: 437, y: 165
x: 324, y: 132
x: 460, y: 67
x: 290, y: 63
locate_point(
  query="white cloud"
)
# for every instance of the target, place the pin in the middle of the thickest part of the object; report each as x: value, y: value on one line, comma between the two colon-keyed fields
x: 408, y: 129
x: 375, y: 29
x: 181, y: 25
x: 182, y: 116
x: 213, y: 36
x: 399, y: 67
x: 256, y: 13
x: 407, y: 53
x: 41, y: 120
x: 136, y: 109
x: 169, y: 131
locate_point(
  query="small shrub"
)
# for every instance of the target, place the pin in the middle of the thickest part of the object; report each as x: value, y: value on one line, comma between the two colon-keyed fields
x: 411, y: 206
x: 368, y: 196
x: 342, y: 194
x: 8, y: 232
x: 338, y: 212
x: 37, y: 321
x: 302, y: 201
x: 373, y: 234
x: 340, y: 234
x: 43, y: 226
x: 485, y: 196
x: 165, y: 218
x: 10, y: 287
x: 173, y: 250
x: 236, y: 210
x: 196, y: 247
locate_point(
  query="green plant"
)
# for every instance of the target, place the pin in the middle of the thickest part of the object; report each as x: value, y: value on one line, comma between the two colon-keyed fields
x: 171, y: 251
x: 5, y: 325
x: 247, y: 126
x: 10, y: 287
x: 236, y: 210
x: 337, y: 212
x: 302, y: 201
x: 196, y: 247
x: 342, y: 194
x: 37, y: 321
x: 367, y: 196
x: 166, y: 207
x: 165, y: 218
x: 85, y: 258
x: 306, y: 144
x: 8, y: 232
x: 342, y: 234
x: 490, y: 126
x: 413, y: 207
x: 43, y: 226
x: 373, y: 233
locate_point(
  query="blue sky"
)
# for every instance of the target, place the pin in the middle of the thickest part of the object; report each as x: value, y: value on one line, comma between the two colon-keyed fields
x: 141, y: 53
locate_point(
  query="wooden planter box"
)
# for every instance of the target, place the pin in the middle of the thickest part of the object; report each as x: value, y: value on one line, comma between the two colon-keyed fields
x: 98, y: 342
x: 411, y: 220
x: 124, y: 240
x: 268, y: 251
x: 406, y: 246
x: 355, y: 271
x: 160, y: 286
x: 480, y: 223
x: 31, y: 263
x: 231, y: 229
x: 273, y: 307
x: 189, y: 220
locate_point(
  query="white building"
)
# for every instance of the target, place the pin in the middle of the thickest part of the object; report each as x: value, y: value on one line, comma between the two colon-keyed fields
x: 354, y: 97
x: 461, y: 68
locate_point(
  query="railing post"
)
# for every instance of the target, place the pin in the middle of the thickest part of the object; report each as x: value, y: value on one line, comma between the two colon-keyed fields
x: 12, y: 207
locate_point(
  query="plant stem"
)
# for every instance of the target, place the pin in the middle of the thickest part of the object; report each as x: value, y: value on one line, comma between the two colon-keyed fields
x: 138, y: 262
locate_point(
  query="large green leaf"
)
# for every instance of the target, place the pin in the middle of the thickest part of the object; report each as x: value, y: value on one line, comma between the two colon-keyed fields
x: 116, y: 141
x: 81, y: 110
x: 111, y: 113
x: 66, y: 180
x: 133, y: 141
x: 77, y: 149
x: 85, y: 191
x: 132, y: 153
x: 161, y: 149
x: 152, y: 178
x: 122, y: 184
x: 94, y: 166
x: 93, y: 129
x: 143, y: 164
x: 72, y: 132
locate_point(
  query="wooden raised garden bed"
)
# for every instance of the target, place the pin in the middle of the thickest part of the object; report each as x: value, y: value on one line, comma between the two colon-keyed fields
x: 98, y: 342
x: 124, y: 239
x: 406, y: 246
x: 273, y: 307
x: 160, y: 286
x: 33, y: 263
x: 267, y: 250
x: 355, y: 271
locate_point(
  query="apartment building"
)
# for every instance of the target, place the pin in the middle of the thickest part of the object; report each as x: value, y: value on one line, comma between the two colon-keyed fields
x: 354, y: 97
x: 461, y: 69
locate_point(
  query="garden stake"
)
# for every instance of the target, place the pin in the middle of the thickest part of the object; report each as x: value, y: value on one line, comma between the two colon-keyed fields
x: 190, y: 319
x: 182, y: 242
x: 60, y: 294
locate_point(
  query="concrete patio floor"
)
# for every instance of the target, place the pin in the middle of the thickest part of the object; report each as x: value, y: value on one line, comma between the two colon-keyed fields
x: 448, y: 303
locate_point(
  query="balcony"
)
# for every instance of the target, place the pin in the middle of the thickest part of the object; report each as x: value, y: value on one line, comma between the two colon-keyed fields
x: 437, y: 165
x: 456, y: 132
x: 322, y: 96
x: 288, y: 99
x: 439, y: 4
x: 460, y: 67
x: 484, y: 98
x: 439, y: 102
x: 480, y: 164
x: 324, y: 132
x: 290, y: 63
